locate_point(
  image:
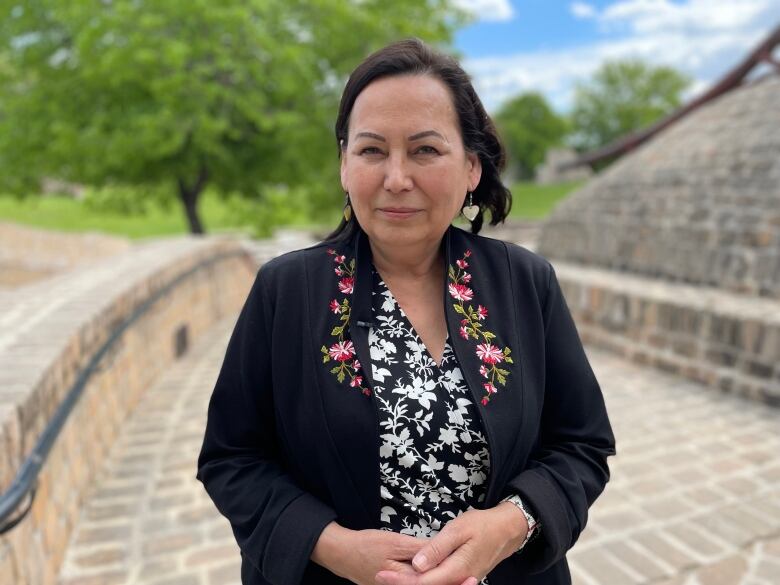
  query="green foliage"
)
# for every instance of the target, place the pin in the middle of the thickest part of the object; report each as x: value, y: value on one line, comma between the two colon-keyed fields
x: 240, y: 95
x: 529, y: 127
x: 621, y: 97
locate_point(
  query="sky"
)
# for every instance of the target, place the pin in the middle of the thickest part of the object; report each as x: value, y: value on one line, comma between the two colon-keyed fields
x: 549, y: 45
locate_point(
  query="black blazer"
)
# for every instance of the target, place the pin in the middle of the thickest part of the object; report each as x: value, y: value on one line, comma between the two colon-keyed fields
x: 288, y: 447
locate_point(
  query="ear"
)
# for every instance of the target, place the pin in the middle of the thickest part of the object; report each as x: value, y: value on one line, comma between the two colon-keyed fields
x: 474, y: 167
x: 344, y: 170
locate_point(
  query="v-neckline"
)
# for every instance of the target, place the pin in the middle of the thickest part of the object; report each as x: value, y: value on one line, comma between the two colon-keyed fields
x: 412, y: 330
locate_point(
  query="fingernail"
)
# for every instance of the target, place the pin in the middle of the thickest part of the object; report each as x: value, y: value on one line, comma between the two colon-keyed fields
x: 420, y: 562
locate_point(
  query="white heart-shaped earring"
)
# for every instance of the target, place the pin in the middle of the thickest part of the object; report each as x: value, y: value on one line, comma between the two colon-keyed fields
x: 470, y: 211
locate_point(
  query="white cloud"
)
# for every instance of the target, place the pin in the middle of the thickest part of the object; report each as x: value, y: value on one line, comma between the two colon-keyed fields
x: 489, y: 10
x: 705, y: 46
x: 648, y: 16
x: 582, y: 10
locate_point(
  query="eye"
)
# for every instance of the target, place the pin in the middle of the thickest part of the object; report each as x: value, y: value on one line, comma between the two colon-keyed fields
x: 370, y: 150
x: 430, y: 150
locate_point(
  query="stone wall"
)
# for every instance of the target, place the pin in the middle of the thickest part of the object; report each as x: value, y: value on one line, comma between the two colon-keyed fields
x: 699, y: 204
x: 175, y: 289
x: 714, y: 337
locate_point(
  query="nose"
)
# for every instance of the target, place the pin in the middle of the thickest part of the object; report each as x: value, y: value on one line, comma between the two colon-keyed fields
x: 397, y: 177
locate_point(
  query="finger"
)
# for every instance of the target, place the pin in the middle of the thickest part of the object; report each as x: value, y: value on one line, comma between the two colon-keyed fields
x: 470, y: 581
x: 438, y: 548
x: 395, y: 578
x: 405, y: 546
x: 456, y: 568
x: 400, y: 567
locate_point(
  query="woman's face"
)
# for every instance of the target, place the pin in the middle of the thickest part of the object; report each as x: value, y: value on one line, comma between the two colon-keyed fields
x: 405, y: 166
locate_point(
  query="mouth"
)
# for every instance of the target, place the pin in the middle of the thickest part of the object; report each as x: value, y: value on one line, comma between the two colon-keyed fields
x: 398, y: 212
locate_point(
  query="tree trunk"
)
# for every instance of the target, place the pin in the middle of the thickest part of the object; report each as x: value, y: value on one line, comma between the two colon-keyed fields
x: 189, y: 197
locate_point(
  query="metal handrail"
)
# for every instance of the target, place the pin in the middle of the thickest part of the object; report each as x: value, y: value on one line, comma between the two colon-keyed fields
x: 26, y: 479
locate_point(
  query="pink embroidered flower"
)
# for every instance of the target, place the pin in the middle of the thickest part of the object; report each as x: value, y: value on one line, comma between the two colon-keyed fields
x: 485, y: 400
x: 461, y: 292
x: 467, y: 253
x: 483, y: 370
x: 339, y: 259
x: 489, y: 388
x: 346, y: 285
x: 342, y: 351
x: 331, y: 251
x: 334, y: 306
x: 466, y: 277
x: 356, y: 364
x: 463, y: 333
x: 356, y: 381
x: 338, y: 271
x: 482, y: 312
x: 489, y: 353
x: 462, y: 264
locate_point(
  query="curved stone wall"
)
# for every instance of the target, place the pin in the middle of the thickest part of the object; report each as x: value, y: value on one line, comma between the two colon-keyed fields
x: 699, y: 204
x: 160, y: 295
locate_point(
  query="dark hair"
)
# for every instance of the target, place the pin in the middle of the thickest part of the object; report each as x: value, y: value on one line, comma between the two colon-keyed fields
x: 413, y: 56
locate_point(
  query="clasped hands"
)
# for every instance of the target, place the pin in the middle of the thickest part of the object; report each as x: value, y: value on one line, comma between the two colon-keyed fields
x: 462, y: 553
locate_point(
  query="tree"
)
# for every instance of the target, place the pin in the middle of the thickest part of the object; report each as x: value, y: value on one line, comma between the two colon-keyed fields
x: 623, y: 96
x: 529, y: 127
x: 238, y: 95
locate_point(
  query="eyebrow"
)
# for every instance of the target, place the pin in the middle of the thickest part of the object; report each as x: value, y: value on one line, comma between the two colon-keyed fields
x: 412, y: 138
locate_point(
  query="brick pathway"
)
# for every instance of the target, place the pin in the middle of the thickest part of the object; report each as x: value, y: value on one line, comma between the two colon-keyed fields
x: 694, y: 497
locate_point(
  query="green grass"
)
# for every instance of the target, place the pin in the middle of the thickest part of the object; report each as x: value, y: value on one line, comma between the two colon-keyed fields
x: 67, y: 214
x: 532, y: 201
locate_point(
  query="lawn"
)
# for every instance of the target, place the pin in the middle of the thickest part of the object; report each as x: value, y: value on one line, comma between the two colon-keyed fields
x: 530, y: 201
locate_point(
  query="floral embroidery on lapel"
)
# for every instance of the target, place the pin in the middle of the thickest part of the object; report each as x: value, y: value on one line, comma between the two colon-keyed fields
x: 471, y: 326
x: 343, y: 351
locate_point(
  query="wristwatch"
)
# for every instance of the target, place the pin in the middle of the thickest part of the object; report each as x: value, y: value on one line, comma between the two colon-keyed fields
x: 533, y: 525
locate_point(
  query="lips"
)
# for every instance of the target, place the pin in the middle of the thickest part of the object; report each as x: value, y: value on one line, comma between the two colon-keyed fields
x: 398, y: 213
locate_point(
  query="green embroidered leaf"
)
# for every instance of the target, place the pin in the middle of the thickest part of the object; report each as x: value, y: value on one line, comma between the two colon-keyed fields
x: 325, y: 359
x: 340, y: 376
x: 335, y: 370
x: 507, y: 351
x: 488, y: 335
x: 502, y: 372
x: 452, y: 273
x: 501, y: 379
x: 352, y: 264
x: 324, y: 350
x: 337, y: 330
x: 471, y: 311
x: 459, y: 309
x: 508, y: 360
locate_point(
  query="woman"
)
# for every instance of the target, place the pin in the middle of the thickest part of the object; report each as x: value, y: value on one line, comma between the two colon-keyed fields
x: 407, y: 403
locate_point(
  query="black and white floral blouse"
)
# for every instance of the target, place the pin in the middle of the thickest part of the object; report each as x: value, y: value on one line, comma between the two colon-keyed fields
x: 434, y: 458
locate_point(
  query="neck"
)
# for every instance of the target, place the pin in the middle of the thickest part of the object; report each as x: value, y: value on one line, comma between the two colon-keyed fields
x: 419, y: 261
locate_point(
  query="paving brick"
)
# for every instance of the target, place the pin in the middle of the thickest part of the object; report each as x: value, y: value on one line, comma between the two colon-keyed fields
x: 726, y: 572
x: 228, y: 574
x: 600, y: 567
x: 108, y: 556
x: 665, y: 551
x: 640, y: 562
